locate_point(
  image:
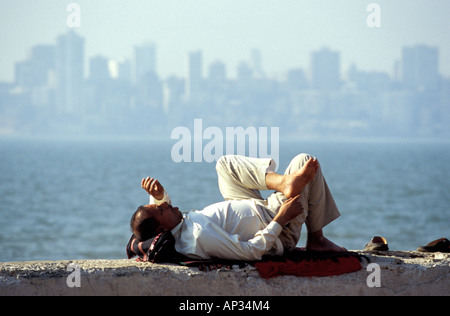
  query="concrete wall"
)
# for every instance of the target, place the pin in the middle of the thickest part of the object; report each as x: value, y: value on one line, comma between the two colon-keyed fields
x: 402, y: 273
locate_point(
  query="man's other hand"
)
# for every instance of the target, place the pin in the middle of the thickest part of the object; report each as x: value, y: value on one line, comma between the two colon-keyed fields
x: 289, y: 210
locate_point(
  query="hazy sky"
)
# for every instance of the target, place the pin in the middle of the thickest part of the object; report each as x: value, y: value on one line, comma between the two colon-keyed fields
x: 286, y: 31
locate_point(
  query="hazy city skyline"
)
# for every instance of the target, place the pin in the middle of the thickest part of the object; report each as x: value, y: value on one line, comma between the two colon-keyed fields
x: 58, y: 90
x: 145, y: 58
x: 286, y: 33
x: 375, y: 69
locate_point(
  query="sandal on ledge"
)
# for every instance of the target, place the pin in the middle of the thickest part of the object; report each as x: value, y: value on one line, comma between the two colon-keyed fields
x: 440, y: 245
x: 377, y: 243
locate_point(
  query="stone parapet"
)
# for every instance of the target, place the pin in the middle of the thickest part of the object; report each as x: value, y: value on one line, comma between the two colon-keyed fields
x: 401, y: 273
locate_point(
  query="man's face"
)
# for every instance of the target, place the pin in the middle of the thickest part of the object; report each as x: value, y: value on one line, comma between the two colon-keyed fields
x: 167, y: 216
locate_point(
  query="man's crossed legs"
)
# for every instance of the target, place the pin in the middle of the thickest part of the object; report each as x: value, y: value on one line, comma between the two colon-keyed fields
x: 242, y: 178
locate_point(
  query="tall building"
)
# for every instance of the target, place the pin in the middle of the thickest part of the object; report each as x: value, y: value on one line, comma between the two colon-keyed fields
x: 296, y: 79
x: 98, y: 83
x: 36, y: 70
x: 69, y: 72
x: 244, y: 72
x: 146, y: 80
x: 124, y: 71
x: 173, y: 91
x: 217, y: 71
x: 194, y: 80
x: 144, y: 61
x: 420, y: 68
x: 256, y: 61
x: 98, y: 69
x: 326, y: 70
x: 217, y: 75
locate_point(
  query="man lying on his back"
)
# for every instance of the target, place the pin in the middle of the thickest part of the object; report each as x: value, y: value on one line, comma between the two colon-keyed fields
x: 245, y: 226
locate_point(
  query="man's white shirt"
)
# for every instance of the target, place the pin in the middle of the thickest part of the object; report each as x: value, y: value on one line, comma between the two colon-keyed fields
x: 232, y: 230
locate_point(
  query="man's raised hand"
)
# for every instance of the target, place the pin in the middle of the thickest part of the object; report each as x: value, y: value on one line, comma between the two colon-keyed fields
x: 153, y: 187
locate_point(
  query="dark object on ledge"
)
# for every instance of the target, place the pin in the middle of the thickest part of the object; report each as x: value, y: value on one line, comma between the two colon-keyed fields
x: 439, y: 245
x: 377, y: 243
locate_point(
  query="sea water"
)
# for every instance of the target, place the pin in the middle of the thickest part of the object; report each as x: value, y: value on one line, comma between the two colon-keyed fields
x: 73, y: 199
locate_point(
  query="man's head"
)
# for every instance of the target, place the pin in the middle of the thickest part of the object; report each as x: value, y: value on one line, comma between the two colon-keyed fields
x: 151, y: 220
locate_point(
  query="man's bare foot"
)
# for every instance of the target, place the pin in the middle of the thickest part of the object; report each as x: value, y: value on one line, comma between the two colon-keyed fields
x: 296, y: 182
x: 317, y: 242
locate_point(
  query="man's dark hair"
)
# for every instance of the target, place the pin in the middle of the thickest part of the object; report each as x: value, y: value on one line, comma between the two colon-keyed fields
x: 142, y: 224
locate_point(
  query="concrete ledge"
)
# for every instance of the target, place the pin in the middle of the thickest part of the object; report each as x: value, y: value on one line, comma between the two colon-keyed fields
x: 402, y: 273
